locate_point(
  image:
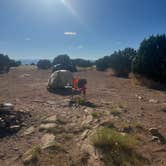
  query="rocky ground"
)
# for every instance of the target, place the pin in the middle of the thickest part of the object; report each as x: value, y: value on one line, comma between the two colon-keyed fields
x: 56, y: 133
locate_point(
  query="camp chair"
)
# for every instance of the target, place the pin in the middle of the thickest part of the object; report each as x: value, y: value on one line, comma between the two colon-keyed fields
x: 80, y: 85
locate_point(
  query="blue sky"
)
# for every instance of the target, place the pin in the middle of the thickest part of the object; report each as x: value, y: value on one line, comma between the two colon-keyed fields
x: 80, y: 28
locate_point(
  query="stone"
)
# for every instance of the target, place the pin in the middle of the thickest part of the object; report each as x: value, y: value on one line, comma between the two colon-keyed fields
x: 139, y: 97
x: 88, y: 120
x: 47, y: 126
x: 14, y: 128
x: 8, y: 106
x: 153, y: 101
x: 47, y: 141
x: 51, y: 102
x: 155, y: 138
x: 88, y: 110
x: 2, y: 123
x: 31, y: 155
x: 154, y: 131
x: 51, y: 119
x: 25, y: 75
x: 94, y: 156
x: 84, y: 134
x: 29, y: 131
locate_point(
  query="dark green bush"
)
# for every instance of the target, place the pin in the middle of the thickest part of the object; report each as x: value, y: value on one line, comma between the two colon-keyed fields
x: 103, y: 63
x: 151, y: 59
x: 44, y: 64
x: 64, y: 63
x: 14, y: 63
x: 4, y: 63
x: 82, y: 63
x: 121, y: 61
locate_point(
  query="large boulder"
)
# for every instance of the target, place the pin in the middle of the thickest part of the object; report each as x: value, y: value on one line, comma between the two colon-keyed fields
x: 60, y: 79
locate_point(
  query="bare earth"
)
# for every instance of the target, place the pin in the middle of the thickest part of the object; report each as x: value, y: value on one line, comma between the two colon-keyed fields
x: 25, y: 87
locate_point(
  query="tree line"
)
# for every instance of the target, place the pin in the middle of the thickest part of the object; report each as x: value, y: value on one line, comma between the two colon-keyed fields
x: 148, y: 61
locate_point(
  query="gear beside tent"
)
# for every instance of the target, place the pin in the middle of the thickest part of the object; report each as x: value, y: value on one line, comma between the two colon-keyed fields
x: 60, y: 79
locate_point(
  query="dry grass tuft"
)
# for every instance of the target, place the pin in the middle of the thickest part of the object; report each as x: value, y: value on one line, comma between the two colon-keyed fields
x: 117, y: 149
x: 115, y: 111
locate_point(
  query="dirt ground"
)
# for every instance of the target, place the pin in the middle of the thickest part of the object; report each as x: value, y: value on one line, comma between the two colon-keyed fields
x: 25, y: 87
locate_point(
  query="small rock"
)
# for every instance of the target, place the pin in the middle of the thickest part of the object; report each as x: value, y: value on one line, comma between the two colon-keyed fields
x: 124, y: 134
x: 31, y: 155
x: 155, y: 138
x: 51, y: 119
x: 2, y: 123
x: 84, y: 135
x: 14, y: 128
x: 88, y: 110
x: 51, y: 102
x: 139, y: 97
x: 47, y: 141
x: 154, y: 131
x: 29, y: 131
x: 153, y: 101
x: 25, y: 75
x: 88, y: 120
x: 8, y: 105
x: 47, y: 126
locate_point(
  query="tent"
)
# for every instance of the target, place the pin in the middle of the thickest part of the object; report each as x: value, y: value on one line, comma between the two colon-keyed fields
x: 59, y: 79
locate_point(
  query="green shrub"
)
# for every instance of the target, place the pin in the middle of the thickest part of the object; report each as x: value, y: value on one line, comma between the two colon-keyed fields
x: 4, y: 63
x: 14, y: 63
x: 117, y: 149
x: 151, y: 59
x: 121, y: 61
x: 82, y: 63
x: 44, y: 64
x: 63, y: 62
x: 103, y: 63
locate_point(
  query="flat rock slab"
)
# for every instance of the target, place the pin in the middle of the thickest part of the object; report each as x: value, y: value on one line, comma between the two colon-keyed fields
x: 88, y: 120
x: 51, y: 119
x: 47, y: 126
x: 47, y: 141
x: 29, y: 131
x: 84, y: 134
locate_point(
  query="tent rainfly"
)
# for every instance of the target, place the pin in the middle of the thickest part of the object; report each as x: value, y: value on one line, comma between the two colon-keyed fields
x: 60, y: 79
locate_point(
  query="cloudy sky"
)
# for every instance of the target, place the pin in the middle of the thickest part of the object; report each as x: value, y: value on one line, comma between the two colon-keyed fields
x: 81, y: 28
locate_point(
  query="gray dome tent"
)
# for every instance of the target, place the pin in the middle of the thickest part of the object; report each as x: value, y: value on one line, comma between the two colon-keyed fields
x: 59, y: 79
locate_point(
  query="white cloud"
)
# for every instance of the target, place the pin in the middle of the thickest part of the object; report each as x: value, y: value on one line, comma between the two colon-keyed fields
x: 27, y: 39
x: 70, y: 33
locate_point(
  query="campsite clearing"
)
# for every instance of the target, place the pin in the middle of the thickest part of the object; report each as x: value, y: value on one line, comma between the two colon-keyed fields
x: 120, y: 104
